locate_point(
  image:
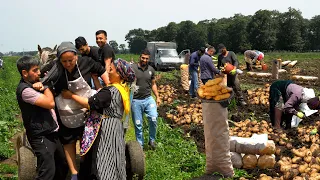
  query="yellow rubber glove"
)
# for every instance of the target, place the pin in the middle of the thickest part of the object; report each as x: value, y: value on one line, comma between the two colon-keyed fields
x: 300, y: 115
x: 233, y: 72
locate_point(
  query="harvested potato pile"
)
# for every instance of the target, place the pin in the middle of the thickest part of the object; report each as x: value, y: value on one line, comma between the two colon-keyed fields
x: 259, y: 95
x: 306, y: 163
x: 247, y: 128
x: 167, y: 93
x: 187, y: 114
x: 214, y: 90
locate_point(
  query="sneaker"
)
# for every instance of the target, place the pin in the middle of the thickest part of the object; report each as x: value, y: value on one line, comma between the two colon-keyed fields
x: 152, y: 144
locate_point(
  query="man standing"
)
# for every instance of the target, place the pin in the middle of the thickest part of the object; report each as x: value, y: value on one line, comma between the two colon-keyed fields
x: 142, y: 101
x: 106, y: 54
x: 85, y: 50
x: 193, y: 71
x: 251, y: 56
x: 40, y: 121
x: 207, y: 68
x: 232, y: 78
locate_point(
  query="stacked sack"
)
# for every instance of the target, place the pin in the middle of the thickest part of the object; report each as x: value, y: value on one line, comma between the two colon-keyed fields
x: 184, y: 71
x: 256, y: 151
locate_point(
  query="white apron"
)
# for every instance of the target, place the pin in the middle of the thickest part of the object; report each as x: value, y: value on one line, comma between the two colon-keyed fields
x: 72, y: 114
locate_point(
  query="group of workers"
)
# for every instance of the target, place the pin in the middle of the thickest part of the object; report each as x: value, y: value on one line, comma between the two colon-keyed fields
x: 203, y: 58
x: 55, y: 109
x: 285, y: 96
x: 99, y: 83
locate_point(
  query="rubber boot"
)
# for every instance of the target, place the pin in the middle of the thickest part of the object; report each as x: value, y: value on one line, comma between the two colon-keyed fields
x: 277, y: 118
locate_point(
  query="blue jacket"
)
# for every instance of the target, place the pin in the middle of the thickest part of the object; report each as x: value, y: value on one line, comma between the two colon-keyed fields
x: 207, y: 68
x: 194, y: 61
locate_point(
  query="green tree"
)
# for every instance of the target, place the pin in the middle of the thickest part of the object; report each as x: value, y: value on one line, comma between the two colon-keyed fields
x: 314, y: 33
x: 237, y: 32
x: 114, y: 46
x: 262, y: 30
x: 138, y: 44
x: 171, y: 31
x: 190, y: 36
x: 136, y: 39
x: 123, y: 48
x: 289, y: 35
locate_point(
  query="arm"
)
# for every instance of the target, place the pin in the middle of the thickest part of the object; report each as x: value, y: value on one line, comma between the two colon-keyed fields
x: 219, y: 62
x: 155, y: 91
x: 96, y: 68
x: 45, y: 100
x: 290, y: 104
x: 192, y: 60
x: 96, y: 102
x: 235, y: 61
x: 105, y: 78
x: 96, y: 82
x: 212, y: 67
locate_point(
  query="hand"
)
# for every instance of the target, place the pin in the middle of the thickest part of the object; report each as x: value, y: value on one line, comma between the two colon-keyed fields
x: 66, y: 94
x: 38, y: 86
x: 300, y: 115
x: 94, y: 76
x: 45, y: 73
x: 233, y: 72
x: 158, y: 101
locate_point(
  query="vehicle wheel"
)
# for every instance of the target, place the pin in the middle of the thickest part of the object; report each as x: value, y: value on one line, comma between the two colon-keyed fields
x: 27, y: 164
x: 19, y: 144
x: 135, y: 160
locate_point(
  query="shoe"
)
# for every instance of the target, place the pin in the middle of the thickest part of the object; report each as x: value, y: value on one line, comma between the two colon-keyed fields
x: 152, y: 144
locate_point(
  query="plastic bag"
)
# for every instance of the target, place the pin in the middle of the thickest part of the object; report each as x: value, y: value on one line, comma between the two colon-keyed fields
x: 257, y: 144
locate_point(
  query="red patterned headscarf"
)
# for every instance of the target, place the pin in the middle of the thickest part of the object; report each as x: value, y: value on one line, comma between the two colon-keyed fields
x: 125, y: 70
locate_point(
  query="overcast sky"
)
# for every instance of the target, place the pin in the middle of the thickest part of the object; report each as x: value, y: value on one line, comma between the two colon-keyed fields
x: 26, y: 23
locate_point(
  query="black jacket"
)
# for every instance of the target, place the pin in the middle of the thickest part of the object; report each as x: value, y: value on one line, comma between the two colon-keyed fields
x: 37, y: 121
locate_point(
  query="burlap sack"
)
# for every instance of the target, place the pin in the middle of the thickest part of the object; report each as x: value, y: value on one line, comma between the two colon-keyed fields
x: 184, y: 71
x: 216, y: 133
x: 236, y: 160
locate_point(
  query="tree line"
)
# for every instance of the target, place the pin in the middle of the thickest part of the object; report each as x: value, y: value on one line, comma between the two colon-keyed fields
x: 265, y: 30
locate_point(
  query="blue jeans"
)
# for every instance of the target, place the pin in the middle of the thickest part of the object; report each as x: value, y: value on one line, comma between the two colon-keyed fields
x: 194, y: 82
x: 138, y: 108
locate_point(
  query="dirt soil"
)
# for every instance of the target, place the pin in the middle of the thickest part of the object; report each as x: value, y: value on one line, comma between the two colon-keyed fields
x: 258, y: 112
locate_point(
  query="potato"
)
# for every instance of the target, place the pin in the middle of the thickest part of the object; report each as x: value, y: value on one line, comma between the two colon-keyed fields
x: 296, y: 160
x: 299, y: 153
x: 249, y: 161
x: 264, y: 177
x: 222, y: 97
x: 214, y: 81
x: 285, y: 168
x: 266, y: 162
x: 302, y: 168
x: 291, y: 174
